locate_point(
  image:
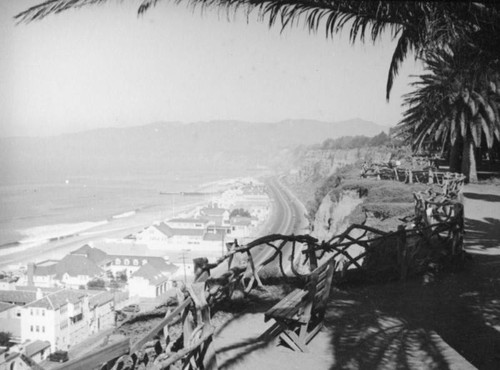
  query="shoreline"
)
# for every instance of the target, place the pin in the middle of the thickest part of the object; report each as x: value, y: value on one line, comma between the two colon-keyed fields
x: 16, y: 257
x: 57, y: 249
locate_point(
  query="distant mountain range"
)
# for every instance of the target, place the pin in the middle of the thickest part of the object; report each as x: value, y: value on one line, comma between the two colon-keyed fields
x: 168, y: 145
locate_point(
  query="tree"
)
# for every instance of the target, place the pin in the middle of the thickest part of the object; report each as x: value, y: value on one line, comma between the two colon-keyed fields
x: 5, y: 338
x: 239, y: 212
x: 456, y: 106
x: 417, y: 26
x: 96, y: 284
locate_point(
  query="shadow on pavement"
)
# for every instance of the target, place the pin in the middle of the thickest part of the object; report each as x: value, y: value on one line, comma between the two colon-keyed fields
x: 391, y: 325
x: 485, y: 197
x: 482, y: 234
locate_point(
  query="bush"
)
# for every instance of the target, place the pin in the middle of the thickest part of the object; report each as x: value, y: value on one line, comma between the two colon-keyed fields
x: 96, y: 284
x: 239, y: 212
x: 5, y: 338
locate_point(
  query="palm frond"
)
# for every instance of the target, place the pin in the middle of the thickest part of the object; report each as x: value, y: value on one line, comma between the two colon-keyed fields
x: 48, y: 7
x: 405, y: 43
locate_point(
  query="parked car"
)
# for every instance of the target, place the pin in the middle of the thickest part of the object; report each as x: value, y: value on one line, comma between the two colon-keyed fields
x: 59, y: 356
x: 133, y: 308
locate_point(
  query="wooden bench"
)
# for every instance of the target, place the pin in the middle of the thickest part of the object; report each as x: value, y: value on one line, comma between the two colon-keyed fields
x: 299, y: 316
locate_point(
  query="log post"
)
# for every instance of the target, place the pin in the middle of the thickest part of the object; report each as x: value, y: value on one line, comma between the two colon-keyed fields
x: 402, y: 252
x: 458, y: 235
x: 201, y: 270
x: 313, y: 261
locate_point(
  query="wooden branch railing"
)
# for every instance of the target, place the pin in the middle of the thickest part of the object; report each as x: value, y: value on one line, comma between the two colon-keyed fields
x: 437, y: 218
x: 451, y: 182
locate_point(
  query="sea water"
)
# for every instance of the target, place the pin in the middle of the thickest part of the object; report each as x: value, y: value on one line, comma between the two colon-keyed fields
x: 35, y: 214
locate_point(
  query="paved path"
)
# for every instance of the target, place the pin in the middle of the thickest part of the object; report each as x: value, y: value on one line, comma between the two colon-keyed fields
x: 450, y: 324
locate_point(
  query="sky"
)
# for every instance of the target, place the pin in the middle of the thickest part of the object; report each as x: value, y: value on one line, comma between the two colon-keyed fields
x: 102, y: 66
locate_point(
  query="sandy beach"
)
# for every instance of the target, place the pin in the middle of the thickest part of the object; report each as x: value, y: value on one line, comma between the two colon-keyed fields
x: 16, y: 257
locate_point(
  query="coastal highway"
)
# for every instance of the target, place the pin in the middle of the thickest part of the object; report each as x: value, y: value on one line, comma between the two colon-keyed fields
x: 287, y: 217
x: 287, y: 211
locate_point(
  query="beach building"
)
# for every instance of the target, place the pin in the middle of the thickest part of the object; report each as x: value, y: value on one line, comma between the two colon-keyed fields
x: 241, y: 227
x: 60, y: 318
x: 215, y: 215
x: 42, y: 274
x: 99, y: 257
x: 155, y: 235
x: 152, y: 279
x: 188, y: 223
x: 73, y: 271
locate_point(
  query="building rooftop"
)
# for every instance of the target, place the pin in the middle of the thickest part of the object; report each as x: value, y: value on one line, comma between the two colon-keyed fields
x: 130, y: 249
x: 213, y: 211
x: 151, y: 273
x: 33, y: 288
x: 35, y: 347
x: 188, y: 221
x: 241, y: 221
x: 17, y: 297
x: 94, y: 254
x: 45, y: 268
x: 162, y: 265
x: 102, y: 297
x: 75, y: 265
x: 55, y: 300
x: 6, y: 306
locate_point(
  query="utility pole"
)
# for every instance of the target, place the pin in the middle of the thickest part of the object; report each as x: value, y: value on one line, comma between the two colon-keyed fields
x: 183, y: 258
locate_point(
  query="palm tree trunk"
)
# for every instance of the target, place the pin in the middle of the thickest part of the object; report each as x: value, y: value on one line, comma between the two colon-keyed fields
x: 454, y: 159
x: 469, y: 160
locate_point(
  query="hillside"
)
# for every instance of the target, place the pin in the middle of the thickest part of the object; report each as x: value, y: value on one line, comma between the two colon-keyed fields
x: 158, y: 147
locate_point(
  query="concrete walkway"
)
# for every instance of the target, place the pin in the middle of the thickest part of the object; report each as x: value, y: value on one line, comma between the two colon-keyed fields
x: 450, y: 324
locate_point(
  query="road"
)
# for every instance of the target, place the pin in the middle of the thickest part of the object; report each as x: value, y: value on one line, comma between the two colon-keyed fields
x: 287, y: 212
x: 287, y: 218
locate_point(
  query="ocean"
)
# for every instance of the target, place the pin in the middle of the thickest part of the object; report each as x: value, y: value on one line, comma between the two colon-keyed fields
x: 35, y: 214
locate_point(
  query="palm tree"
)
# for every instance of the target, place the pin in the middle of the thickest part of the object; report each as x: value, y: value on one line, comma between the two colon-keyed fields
x: 417, y: 26
x: 455, y: 104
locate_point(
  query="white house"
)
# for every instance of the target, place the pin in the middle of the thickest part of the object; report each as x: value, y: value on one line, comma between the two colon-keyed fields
x: 43, y: 274
x: 60, y: 318
x: 215, y: 215
x: 152, y: 279
x: 153, y: 235
x: 188, y: 223
x: 75, y: 271
x: 241, y: 227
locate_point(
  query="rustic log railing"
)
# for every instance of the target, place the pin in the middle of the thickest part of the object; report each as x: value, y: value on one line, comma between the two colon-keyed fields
x: 438, y: 223
x: 449, y: 181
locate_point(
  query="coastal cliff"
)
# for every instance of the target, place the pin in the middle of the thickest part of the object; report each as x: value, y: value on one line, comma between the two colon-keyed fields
x: 315, y: 164
x: 333, y: 214
x: 327, y: 181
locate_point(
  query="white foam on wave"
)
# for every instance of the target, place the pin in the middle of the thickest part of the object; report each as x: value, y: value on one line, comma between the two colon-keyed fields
x: 40, y: 235
x: 22, y: 247
x: 124, y: 215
